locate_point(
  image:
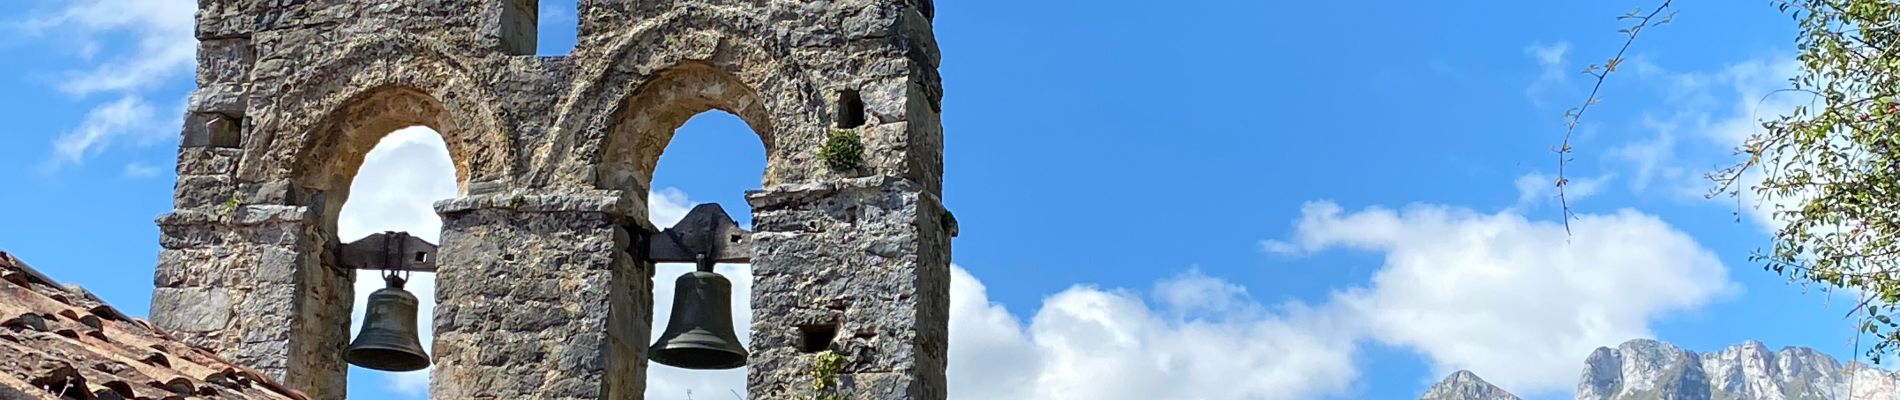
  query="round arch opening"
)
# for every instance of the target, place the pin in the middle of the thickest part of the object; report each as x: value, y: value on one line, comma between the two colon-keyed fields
x: 394, y: 189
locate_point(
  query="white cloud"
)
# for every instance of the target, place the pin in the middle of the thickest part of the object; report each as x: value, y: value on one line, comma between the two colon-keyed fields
x: 397, y: 186
x: 667, y: 206
x: 1092, y: 343
x: 1196, y: 294
x: 141, y: 170
x: 129, y: 117
x: 162, y: 48
x: 162, y: 33
x: 1652, y: 158
x: 1550, y: 56
x: 1550, y: 59
x: 1535, y: 189
x: 989, y: 350
x: 1716, y: 111
x: 1516, y: 301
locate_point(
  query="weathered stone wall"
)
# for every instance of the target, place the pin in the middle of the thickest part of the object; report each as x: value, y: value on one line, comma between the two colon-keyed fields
x: 859, y: 267
x: 245, y: 280
x: 555, y: 156
x: 540, y: 299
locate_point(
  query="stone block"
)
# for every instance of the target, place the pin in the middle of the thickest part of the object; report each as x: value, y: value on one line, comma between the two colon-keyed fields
x: 203, y: 191
x: 222, y: 19
x: 222, y: 98
x: 225, y: 61
x: 207, y: 161
x: 189, y: 235
x: 277, y: 192
x: 276, y: 264
x: 198, y: 309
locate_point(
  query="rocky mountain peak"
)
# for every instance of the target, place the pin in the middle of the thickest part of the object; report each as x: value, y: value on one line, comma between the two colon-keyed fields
x: 1646, y: 369
x: 1639, y: 368
x: 1464, y: 385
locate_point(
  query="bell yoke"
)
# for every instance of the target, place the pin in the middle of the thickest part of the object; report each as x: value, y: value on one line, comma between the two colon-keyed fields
x: 699, y: 335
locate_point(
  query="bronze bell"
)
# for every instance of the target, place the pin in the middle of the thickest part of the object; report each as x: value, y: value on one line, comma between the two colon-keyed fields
x: 699, y: 334
x: 389, y: 340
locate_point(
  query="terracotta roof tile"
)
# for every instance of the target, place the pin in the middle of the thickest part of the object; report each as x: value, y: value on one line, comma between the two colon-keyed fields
x: 56, y: 340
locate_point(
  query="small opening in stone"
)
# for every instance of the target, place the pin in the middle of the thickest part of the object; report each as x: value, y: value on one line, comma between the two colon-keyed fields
x: 210, y: 129
x: 816, y: 338
x: 422, y: 256
x: 735, y: 238
x: 507, y: 257
x: 224, y: 131
x: 850, y: 110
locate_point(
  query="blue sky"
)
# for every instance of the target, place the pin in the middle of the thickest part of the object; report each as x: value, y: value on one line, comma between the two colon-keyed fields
x: 1185, y: 199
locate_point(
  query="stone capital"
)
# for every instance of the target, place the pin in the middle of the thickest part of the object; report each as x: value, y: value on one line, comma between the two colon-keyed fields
x: 790, y: 193
x: 234, y: 215
x: 612, y: 202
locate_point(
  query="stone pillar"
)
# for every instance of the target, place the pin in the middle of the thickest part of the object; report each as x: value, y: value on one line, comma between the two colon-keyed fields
x: 538, y: 298
x: 859, y: 267
x: 251, y: 282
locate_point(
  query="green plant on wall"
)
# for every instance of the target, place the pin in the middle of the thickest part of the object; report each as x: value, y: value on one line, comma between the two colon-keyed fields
x: 231, y: 204
x: 843, y: 150
x: 824, y: 377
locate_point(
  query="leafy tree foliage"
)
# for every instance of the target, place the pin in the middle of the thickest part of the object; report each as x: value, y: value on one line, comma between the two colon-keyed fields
x: 1828, y: 168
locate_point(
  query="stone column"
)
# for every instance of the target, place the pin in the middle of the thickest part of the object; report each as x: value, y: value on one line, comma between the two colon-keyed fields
x: 859, y: 267
x: 538, y: 298
x: 250, y: 281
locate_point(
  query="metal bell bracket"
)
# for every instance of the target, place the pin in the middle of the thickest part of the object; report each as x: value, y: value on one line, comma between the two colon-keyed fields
x: 389, y: 252
x: 706, y: 236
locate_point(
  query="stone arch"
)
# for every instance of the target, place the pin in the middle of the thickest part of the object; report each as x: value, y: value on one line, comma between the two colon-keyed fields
x: 312, y: 130
x: 657, y: 63
x: 647, y: 120
x: 368, y: 91
x: 331, y: 158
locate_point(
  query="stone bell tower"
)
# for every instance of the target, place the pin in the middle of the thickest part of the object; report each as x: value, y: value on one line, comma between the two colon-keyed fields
x: 543, y: 291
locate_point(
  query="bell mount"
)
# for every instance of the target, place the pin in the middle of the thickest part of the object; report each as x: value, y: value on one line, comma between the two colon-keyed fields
x: 706, y: 230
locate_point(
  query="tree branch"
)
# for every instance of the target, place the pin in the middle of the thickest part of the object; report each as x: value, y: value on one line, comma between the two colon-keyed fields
x: 1575, y: 115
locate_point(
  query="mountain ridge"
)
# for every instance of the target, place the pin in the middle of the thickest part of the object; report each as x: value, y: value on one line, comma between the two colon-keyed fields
x: 1647, y: 369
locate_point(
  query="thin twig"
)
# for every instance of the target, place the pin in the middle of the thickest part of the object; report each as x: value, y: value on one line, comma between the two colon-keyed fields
x: 1573, y: 117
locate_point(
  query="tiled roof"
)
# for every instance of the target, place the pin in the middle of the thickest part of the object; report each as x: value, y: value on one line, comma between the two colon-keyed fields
x: 63, y: 343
